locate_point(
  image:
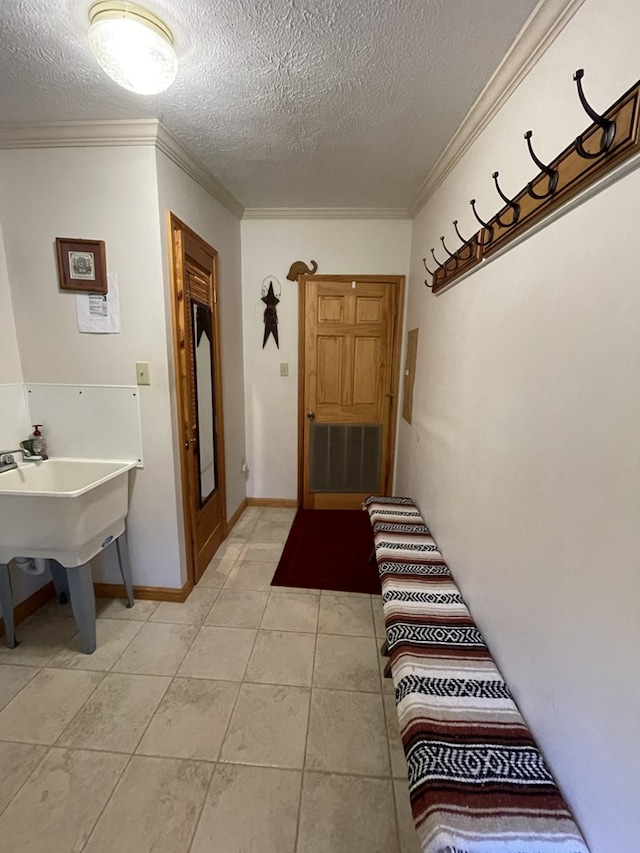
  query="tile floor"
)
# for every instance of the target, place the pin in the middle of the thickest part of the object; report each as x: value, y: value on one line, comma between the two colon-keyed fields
x: 246, y: 720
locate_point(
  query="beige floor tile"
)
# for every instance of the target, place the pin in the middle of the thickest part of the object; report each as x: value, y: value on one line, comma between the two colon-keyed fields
x: 116, y: 608
x: 13, y: 679
x: 398, y: 761
x: 42, y: 709
x: 113, y: 636
x: 193, y: 611
x: 40, y: 639
x: 409, y: 841
x: 191, y: 721
x: 346, y: 663
x: 378, y: 618
x: 238, y: 608
x: 249, y: 810
x: 279, y: 513
x: 346, y: 814
x: 340, y: 593
x: 267, y: 530
x: 261, y: 551
x: 231, y: 549
x: 216, y: 573
x: 17, y: 763
x: 219, y: 654
x: 296, y: 590
x: 252, y: 511
x: 244, y: 527
x: 154, y: 808
x: 54, y: 608
x: 387, y: 683
x: 56, y: 809
x: 268, y: 726
x: 117, y: 714
x: 157, y: 649
x: 282, y: 657
x: 251, y: 574
x: 347, y: 733
x: 345, y: 614
x: 288, y: 611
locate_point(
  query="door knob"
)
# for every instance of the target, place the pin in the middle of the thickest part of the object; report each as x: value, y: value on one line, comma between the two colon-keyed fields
x: 311, y: 415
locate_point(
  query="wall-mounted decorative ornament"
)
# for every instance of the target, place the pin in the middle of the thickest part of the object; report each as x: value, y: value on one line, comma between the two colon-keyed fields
x: 203, y: 322
x: 271, y: 301
x: 299, y: 268
x: 82, y: 265
x: 612, y: 138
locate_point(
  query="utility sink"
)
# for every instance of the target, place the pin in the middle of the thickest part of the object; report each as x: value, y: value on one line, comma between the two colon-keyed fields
x: 62, y: 509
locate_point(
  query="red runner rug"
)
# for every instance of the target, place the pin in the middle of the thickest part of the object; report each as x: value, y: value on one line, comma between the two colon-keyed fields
x: 329, y: 549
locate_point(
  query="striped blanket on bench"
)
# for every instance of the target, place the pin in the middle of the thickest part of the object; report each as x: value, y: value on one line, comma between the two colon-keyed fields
x: 478, y: 782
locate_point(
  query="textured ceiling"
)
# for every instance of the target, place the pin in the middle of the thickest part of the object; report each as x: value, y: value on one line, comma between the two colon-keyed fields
x: 290, y: 103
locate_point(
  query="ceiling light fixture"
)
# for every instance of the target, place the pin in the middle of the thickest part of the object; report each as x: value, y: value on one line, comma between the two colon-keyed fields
x: 133, y: 46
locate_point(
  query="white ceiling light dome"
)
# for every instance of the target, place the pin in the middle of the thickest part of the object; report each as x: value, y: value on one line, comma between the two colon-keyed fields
x: 133, y: 46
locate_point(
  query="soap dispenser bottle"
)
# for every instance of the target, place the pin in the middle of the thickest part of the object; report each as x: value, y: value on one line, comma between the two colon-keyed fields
x: 39, y: 443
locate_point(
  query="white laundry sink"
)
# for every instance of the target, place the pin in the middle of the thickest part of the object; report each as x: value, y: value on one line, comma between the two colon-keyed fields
x: 62, y: 509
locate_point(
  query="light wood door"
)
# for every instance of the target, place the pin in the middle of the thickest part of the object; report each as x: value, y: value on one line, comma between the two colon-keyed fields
x: 199, y: 392
x: 349, y: 387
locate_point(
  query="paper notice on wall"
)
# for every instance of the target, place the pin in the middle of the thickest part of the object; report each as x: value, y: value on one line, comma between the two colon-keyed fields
x: 100, y: 312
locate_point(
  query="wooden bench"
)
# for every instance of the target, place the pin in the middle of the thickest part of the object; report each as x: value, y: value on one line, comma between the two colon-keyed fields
x: 477, y: 781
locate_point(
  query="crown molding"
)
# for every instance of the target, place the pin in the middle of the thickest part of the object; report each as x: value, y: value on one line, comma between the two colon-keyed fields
x: 541, y: 29
x: 80, y: 134
x: 326, y: 213
x: 175, y: 150
x: 94, y: 134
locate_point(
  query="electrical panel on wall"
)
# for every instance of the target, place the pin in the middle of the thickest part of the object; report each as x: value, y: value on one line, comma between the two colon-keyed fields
x: 409, y: 374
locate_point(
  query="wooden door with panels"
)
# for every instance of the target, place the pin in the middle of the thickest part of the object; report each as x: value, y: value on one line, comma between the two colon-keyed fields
x: 349, y: 363
x: 199, y: 394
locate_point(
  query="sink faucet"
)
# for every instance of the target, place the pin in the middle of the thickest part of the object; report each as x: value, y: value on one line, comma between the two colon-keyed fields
x: 7, y: 461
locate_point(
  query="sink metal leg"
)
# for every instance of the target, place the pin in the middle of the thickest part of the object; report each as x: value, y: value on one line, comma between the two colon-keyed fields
x: 122, y: 547
x: 6, y: 602
x: 83, y: 604
x: 59, y: 578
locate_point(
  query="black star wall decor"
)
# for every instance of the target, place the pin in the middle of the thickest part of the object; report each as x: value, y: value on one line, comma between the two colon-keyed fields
x: 270, y: 315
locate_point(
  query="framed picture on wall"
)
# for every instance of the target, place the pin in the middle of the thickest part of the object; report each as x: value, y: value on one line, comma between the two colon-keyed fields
x: 82, y: 265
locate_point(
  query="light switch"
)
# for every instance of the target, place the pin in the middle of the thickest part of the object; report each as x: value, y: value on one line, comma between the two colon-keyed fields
x: 284, y: 368
x: 142, y: 373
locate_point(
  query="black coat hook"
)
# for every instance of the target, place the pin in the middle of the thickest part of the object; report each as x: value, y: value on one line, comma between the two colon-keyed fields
x: 432, y: 274
x: 433, y: 255
x: 512, y: 204
x: 464, y: 243
x: 608, y: 126
x: 455, y: 225
x: 486, y: 225
x: 552, y: 174
x: 451, y: 255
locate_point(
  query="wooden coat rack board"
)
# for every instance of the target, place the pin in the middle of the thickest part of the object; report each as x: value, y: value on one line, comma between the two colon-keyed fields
x: 607, y: 142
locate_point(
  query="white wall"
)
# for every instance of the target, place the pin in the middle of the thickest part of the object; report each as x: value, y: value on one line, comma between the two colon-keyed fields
x: 10, y: 367
x: 524, y: 452
x: 109, y: 194
x: 269, y: 247
x: 181, y: 195
x: 14, y: 417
